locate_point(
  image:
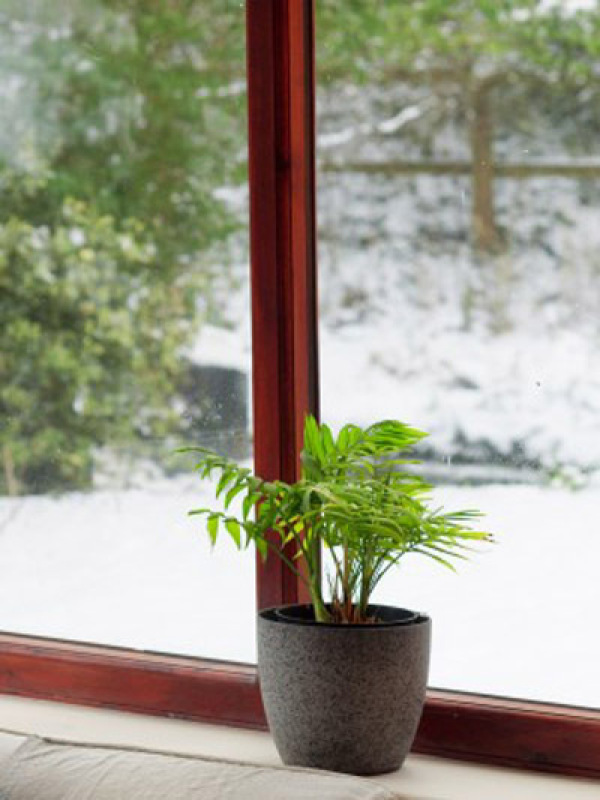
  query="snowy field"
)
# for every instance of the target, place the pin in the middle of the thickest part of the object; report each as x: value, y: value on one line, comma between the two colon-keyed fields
x: 519, y: 619
x: 129, y: 568
x: 126, y: 568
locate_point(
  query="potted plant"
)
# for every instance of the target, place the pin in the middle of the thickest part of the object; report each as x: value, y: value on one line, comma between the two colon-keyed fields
x: 343, y: 680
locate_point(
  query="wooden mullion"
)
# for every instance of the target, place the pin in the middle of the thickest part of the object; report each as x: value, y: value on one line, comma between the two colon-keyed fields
x: 282, y: 249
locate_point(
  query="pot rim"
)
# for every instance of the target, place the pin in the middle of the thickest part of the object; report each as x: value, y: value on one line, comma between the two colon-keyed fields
x: 273, y: 614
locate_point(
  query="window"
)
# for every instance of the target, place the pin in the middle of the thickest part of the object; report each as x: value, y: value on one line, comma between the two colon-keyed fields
x: 124, y: 238
x: 280, y: 88
x: 459, y: 291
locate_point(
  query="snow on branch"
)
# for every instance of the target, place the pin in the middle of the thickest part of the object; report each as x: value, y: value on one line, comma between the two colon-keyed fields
x: 384, y: 127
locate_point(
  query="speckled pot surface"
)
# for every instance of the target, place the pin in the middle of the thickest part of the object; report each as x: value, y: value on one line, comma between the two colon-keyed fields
x: 346, y: 698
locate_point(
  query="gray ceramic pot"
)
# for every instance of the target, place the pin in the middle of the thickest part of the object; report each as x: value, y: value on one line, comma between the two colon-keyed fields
x: 346, y: 698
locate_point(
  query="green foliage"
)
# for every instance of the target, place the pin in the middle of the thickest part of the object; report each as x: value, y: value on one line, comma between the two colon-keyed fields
x: 129, y: 118
x: 356, y: 497
x: 466, y: 38
x: 85, y: 322
x: 141, y: 108
x: 537, y: 61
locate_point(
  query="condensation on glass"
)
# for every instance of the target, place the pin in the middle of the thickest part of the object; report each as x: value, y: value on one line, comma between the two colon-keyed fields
x: 460, y: 291
x: 124, y: 320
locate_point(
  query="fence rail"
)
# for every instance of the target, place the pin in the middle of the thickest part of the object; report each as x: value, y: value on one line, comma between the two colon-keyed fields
x: 500, y: 170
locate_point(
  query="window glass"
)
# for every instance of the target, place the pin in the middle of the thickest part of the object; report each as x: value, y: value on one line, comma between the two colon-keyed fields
x: 124, y: 320
x: 460, y: 291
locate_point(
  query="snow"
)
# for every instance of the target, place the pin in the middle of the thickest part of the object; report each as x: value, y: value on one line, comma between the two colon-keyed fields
x: 517, y: 619
x: 130, y: 568
x: 125, y: 568
x: 501, y: 354
x: 568, y: 6
x: 221, y: 347
x: 498, y: 360
x: 334, y: 139
x: 543, y: 393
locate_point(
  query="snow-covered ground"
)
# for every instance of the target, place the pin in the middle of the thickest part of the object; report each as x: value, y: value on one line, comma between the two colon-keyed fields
x: 500, y: 363
x: 499, y: 356
x: 517, y: 620
x: 130, y: 568
x: 126, y: 568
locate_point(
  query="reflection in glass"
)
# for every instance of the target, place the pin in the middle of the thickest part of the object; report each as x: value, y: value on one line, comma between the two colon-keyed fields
x: 460, y: 291
x: 124, y: 335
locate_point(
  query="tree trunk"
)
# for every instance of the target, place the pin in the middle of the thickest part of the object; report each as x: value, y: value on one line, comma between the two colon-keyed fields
x: 484, y: 231
x: 10, y: 477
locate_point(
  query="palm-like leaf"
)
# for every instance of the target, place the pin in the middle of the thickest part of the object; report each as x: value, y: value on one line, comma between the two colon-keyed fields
x: 355, y: 498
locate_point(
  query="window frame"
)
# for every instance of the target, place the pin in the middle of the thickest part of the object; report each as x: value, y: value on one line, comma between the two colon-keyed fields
x: 281, y: 96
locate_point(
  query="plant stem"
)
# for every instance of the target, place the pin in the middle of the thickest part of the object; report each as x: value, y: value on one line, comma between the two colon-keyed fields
x: 347, y: 592
x: 321, y: 613
x: 279, y: 553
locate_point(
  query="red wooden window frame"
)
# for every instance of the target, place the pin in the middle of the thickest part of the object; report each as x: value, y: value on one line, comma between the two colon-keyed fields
x: 280, y: 46
x: 282, y: 249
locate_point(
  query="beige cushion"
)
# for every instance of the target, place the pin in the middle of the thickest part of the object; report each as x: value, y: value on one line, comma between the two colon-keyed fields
x: 9, y: 742
x: 47, y: 770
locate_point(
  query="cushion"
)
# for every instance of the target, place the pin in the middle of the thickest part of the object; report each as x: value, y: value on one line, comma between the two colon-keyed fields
x: 9, y: 743
x: 47, y: 770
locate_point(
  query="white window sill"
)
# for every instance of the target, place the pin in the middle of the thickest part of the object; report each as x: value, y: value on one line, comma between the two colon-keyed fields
x: 421, y: 778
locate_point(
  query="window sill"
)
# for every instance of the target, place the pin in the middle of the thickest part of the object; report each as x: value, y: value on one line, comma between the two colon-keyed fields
x: 422, y: 777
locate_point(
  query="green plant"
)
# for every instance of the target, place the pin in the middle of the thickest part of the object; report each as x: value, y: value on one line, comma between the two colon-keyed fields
x: 89, y: 343
x: 113, y: 232
x: 354, y: 497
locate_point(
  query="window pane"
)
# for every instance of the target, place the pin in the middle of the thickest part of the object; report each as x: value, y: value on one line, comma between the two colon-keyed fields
x: 460, y: 291
x: 125, y: 321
